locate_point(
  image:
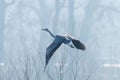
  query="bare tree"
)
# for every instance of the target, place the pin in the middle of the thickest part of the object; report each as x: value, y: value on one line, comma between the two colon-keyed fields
x: 58, y: 7
x: 3, y: 6
x: 44, y: 18
x: 88, y: 19
x: 71, y: 25
x: 2, y: 25
x: 56, y: 15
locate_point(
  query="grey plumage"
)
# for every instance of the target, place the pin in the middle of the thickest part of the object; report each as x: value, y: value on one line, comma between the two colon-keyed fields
x: 58, y: 40
x: 52, y: 48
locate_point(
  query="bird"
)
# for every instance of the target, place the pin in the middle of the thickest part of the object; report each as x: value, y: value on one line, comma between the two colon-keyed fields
x: 58, y: 40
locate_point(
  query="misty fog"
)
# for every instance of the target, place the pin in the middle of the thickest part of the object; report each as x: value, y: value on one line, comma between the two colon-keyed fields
x: 23, y: 44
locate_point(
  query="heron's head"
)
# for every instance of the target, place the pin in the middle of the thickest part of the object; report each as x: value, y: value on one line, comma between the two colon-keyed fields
x: 46, y: 29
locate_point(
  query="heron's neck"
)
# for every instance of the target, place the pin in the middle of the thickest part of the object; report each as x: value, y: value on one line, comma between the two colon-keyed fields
x: 51, y: 34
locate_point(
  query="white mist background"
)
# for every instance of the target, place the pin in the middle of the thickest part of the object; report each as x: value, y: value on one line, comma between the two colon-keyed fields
x: 23, y: 44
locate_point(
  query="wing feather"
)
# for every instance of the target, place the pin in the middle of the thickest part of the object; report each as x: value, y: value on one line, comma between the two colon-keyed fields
x: 78, y: 44
x: 53, y: 47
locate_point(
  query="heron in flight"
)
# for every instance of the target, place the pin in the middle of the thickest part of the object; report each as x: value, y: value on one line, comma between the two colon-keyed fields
x: 58, y: 40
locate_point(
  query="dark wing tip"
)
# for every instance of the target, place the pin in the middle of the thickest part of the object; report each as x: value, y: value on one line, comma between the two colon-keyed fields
x: 78, y: 44
x: 83, y: 48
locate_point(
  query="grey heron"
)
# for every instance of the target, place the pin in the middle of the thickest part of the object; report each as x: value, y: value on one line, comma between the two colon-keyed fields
x: 58, y: 40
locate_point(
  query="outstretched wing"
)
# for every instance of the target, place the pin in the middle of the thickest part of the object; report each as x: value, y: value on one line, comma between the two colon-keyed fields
x: 53, y: 47
x: 78, y: 44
